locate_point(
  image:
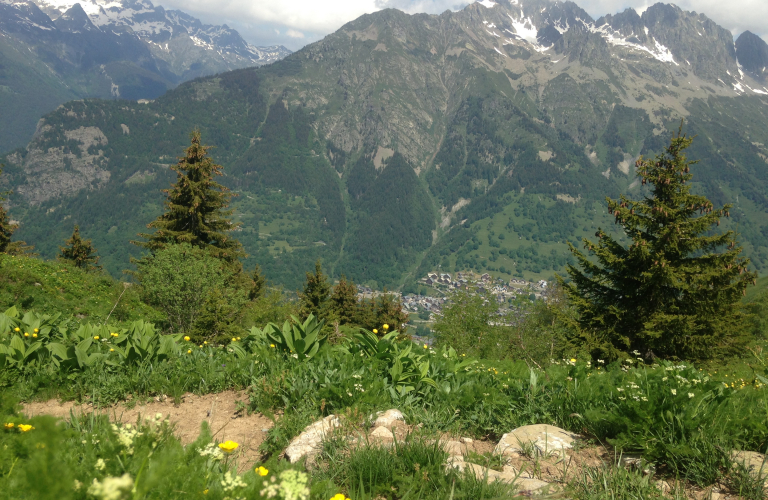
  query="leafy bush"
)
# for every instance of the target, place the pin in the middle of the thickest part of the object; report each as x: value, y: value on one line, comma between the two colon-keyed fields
x: 181, y: 280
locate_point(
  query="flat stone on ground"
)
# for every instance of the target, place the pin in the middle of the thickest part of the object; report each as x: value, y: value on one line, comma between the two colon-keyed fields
x: 388, y: 418
x: 545, y: 438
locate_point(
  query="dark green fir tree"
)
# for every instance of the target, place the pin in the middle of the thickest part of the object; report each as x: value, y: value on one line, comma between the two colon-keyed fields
x: 196, y: 208
x: 674, y: 292
x: 342, y: 304
x: 314, y: 297
x: 80, y: 252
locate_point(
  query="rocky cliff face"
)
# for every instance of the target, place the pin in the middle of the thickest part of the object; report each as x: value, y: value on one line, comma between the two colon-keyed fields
x: 753, y: 54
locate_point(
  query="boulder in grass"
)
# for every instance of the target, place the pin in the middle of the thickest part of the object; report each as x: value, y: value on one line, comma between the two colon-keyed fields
x: 543, y: 439
x: 388, y: 418
x: 309, y: 442
x: 525, y: 485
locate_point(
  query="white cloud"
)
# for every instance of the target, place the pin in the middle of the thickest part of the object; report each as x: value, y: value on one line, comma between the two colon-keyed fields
x: 294, y: 34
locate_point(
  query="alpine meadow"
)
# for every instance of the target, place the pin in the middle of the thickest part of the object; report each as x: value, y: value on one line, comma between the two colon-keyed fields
x: 506, y: 251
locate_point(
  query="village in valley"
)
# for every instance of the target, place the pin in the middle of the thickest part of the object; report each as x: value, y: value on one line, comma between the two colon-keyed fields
x: 436, y: 288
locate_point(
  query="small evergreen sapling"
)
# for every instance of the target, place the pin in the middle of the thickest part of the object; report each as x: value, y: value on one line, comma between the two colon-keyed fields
x: 675, y: 291
x: 196, y: 208
x: 80, y: 252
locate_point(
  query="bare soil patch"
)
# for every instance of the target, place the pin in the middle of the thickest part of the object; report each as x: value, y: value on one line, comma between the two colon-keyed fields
x: 226, y: 419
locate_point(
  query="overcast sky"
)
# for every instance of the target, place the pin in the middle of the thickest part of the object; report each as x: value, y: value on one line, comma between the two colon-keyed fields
x: 295, y: 23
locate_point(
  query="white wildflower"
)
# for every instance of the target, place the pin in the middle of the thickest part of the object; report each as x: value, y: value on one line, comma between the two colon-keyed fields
x: 213, y: 451
x: 100, y: 464
x: 112, y: 488
x: 231, y: 483
x: 690, y: 395
x: 674, y: 392
x: 126, y: 435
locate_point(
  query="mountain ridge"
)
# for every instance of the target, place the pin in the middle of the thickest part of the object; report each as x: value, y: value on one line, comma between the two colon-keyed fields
x: 516, y: 120
x: 121, y: 49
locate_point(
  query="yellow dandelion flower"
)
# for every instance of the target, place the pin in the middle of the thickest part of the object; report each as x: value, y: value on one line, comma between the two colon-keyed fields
x: 228, y: 446
x: 262, y: 471
x: 9, y: 425
x: 25, y: 427
x: 573, y: 360
x: 426, y: 346
x: 205, y: 342
x: 186, y: 338
x: 189, y: 351
x: 375, y: 331
x: 386, y: 326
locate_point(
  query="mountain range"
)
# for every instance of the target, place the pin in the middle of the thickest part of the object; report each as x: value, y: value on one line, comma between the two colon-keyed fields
x: 486, y: 138
x: 53, y: 51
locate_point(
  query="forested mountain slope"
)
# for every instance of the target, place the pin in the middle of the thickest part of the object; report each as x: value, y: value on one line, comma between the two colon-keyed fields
x: 484, y: 138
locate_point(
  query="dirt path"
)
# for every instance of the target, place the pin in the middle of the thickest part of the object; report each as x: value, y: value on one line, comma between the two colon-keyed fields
x: 219, y: 410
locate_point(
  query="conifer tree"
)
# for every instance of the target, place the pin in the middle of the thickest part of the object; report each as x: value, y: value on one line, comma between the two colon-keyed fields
x: 342, y: 305
x: 259, y: 284
x: 674, y: 292
x: 80, y: 252
x: 196, y: 208
x: 315, y: 294
x: 6, y: 228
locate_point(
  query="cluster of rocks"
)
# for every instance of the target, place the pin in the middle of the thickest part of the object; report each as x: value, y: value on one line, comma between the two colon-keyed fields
x: 390, y: 425
x: 547, y: 442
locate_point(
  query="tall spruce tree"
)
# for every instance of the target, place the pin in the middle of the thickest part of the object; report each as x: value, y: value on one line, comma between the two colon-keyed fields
x: 196, y: 208
x: 258, y: 284
x: 674, y: 292
x: 314, y: 297
x: 80, y: 252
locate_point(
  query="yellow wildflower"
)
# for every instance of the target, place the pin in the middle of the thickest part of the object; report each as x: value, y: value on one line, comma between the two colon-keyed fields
x: 375, y: 331
x: 9, y: 425
x: 386, y: 326
x: 228, y: 446
x: 262, y: 471
x: 573, y: 360
x: 113, y: 334
x: 95, y: 337
x: 189, y: 351
x: 26, y: 334
x: 426, y: 346
x: 111, y: 350
x: 25, y: 427
x: 205, y: 342
x: 205, y: 491
x: 234, y: 339
x: 17, y: 329
x: 272, y: 346
x: 36, y: 330
x: 186, y: 338
x: 34, y: 335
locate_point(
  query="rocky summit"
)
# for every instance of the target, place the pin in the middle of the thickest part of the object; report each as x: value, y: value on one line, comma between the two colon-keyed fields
x: 482, y: 139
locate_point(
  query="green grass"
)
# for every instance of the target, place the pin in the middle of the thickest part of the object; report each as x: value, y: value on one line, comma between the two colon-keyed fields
x: 58, y: 287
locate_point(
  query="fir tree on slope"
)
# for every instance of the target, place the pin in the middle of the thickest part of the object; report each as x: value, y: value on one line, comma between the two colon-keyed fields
x: 675, y: 292
x: 314, y: 297
x: 80, y: 252
x: 196, y: 208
